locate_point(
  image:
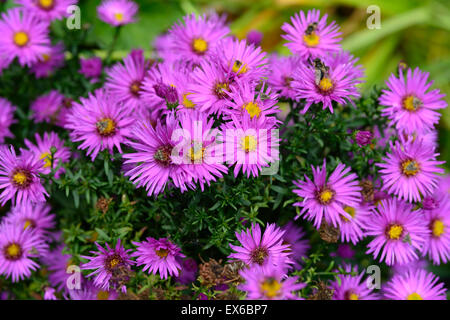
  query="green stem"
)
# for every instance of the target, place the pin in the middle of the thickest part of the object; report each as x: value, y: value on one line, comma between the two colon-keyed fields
x: 113, y: 44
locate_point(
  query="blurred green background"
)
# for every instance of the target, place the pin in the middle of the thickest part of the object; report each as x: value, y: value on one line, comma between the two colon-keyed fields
x: 417, y: 32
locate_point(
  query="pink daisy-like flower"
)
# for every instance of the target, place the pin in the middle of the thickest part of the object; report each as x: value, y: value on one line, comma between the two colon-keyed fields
x: 188, y: 271
x: 295, y: 237
x: 281, y: 74
x: 352, y: 229
x: 150, y: 164
x: 408, y: 104
x: 409, y: 171
x: 158, y: 256
x: 19, y: 177
x: 91, y: 68
x: 196, y: 38
x: 34, y: 216
x: 48, y: 10
x: 6, y: 119
x: 326, y: 198
x: 107, y: 264
x: 250, y: 144
x: 352, y: 287
x: 415, y: 285
x: 124, y: 81
x: 326, y: 80
x: 310, y: 36
x: 100, y: 123
x: 269, y: 283
x: 398, y: 232
x: 43, y: 151
x: 244, y: 61
x: 47, y: 107
x: 18, y: 247
x: 437, y: 218
x: 49, y: 62
x: 264, y: 249
x: 24, y: 36
x: 117, y: 12
x: 202, y: 152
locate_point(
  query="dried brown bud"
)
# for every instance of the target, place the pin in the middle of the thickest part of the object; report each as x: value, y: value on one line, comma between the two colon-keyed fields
x: 103, y: 204
x: 322, y: 292
x: 367, y: 190
x: 329, y: 233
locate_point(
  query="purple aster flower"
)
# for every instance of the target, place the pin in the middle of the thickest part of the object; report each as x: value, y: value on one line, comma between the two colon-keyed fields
x: 100, y: 122
x: 264, y: 249
x: 352, y: 230
x: 49, y: 62
x: 188, y: 271
x: 254, y: 37
x: 437, y: 218
x: 310, y: 36
x: 34, y: 216
x: 398, y: 232
x: 57, y: 263
x: 48, y: 10
x: 6, y: 119
x: 158, y: 256
x: 89, y: 291
x: 269, y: 283
x: 325, y: 80
x: 117, y: 12
x: 43, y: 151
x: 46, y: 108
x: 352, y: 287
x: 196, y: 38
x: 295, y: 237
x: 124, y: 81
x: 251, y: 144
x: 107, y: 264
x: 363, y: 138
x: 408, y: 104
x: 18, y: 248
x: 409, y: 171
x: 415, y: 285
x: 19, y: 177
x: 281, y: 74
x: 151, y: 165
x: 326, y: 198
x: 91, y: 68
x: 24, y: 36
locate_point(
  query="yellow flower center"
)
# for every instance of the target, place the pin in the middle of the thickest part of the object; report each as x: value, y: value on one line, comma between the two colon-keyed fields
x: 46, y: 57
x: 47, y: 157
x: 414, y: 296
x: 325, y: 84
x: 135, y: 88
x: 188, y: 103
x: 325, y: 196
x: 199, y: 45
x: 29, y: 223
x: 249, y: 143
x: 13, y: 251
x: 395, y: 232
x: 106, y: 127
x: 311, y: 40
x: 46, y: 4
x: 252, y: 109
x: 351, y: 211
x: 102, y: 295
x: 162, y: 253
x: 118, y: 16
x: 411, y: 103
x: 353, y: 296
x: 21, y: 38
x: 197, y: 152
x: 113, y: 263
x: 220, y: 89
x: 410, y: 168
x: 20, y: 178
x: 271, y: 288
x: 259, y: 255
x: 239, y: 67
x: 438, y: 228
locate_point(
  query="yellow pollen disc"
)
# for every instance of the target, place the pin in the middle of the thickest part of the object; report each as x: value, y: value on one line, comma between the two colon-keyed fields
x: 311, y: 40
x: 20, y: 178
x: 395, y: 232
x: 414, y: 296
x: 249, y: 143
x: 162, y: 253
x: 13, y: 250
x: 326, y: 195
x: 271, y: 288
x: 188, y: 103
x: 118, y: 16
x: 46, y: 4
x: 46, y: 57
x: 21, y: 38
x: 196, y: 154
x: 438, y: 228
x: 47, y: 157
x: 410, y: 168
x: 411, y: 103
x: 114, y: 263
x: 28, y: 223
x: 325, y: 84
x: 252, y: 109
x: 351, y: 211
x: 106, y: 126
x: 353, y: 296
x: 102, y: 295
x: 239, y: 68
x: 199, y: 45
